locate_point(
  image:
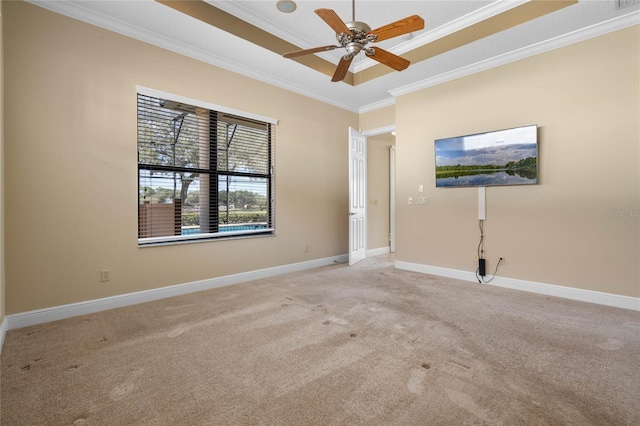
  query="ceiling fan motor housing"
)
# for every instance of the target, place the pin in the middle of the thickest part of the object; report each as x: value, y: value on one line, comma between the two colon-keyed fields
x: 356, y: 41
x: 359, y: 29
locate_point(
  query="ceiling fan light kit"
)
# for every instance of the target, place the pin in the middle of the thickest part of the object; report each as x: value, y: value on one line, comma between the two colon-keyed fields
x: 354, y: 36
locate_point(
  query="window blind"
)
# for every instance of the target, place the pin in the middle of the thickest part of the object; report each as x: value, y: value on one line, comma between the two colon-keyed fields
x: 202, y: 174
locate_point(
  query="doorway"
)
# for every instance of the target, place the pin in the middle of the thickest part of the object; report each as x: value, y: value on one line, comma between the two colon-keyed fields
x: 380, y: 190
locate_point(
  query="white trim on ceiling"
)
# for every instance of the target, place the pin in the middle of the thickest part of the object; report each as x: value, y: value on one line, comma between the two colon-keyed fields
x: 377, y: 105
x: 479, y: 15
x: 75, y: 11
x: 596, y: 30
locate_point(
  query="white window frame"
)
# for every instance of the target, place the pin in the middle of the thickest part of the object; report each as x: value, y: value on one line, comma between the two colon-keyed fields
x: 201, y: 237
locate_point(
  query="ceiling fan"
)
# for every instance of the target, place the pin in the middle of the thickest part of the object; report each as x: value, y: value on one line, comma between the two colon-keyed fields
x: 354, y: 37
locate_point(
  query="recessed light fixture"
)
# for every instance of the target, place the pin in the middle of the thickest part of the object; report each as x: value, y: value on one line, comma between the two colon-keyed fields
x: 286, y: 6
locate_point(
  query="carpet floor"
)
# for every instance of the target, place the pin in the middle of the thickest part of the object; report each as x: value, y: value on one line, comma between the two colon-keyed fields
x: 337, y: 345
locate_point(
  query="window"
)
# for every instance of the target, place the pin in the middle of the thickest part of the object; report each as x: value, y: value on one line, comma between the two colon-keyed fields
x: 203, y: 173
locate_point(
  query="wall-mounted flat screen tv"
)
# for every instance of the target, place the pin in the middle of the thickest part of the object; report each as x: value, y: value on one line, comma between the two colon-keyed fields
x: 501, y: 157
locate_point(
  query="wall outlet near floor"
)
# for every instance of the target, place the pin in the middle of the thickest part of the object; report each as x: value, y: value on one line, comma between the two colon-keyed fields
x: 306, y: 248
x: 475, y: 256
x: 502, y: 261
x: 105, y: 275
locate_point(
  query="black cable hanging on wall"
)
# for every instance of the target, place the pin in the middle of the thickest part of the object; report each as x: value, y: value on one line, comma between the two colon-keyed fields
x: 481, y: 259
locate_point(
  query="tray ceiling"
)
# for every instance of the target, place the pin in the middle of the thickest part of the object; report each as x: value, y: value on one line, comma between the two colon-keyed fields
x: 459, y: 38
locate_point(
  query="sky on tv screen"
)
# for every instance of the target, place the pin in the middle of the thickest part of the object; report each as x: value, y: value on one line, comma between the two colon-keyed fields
x: 499, y: 147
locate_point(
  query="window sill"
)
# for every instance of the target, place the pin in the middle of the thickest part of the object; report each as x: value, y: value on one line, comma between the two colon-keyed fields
x: 204, y: 238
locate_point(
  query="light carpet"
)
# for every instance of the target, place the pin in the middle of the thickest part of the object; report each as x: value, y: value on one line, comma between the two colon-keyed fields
x: 338, y: 345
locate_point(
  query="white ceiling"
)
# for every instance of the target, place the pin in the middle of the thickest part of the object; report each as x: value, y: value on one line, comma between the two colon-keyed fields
x: 160, y: 25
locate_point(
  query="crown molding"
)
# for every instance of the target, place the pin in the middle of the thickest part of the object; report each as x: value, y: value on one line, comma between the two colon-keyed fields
x: 479, y: 15
x: 76, y: 11
x: 596, y: 30
x: 377, y: 105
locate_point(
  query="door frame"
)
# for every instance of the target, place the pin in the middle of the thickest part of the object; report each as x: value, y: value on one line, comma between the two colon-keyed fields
x: 392, y: 188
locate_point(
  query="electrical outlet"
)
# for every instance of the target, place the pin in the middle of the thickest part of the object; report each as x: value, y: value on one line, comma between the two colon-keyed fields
x: 502, y: 261
x: 410, y: 200
x: 475, y: 256
x: 105, y: 276
x: 306, y: 248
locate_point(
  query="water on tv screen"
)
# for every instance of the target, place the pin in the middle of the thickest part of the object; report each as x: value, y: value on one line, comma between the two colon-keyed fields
x: 501, y: 157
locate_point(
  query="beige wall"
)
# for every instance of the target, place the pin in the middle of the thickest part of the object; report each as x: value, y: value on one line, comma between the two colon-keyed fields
x: 584, y: 98
x: 71, y: 171
x: 71, y: 186
x: 378, y: 190
x: 381, y: 117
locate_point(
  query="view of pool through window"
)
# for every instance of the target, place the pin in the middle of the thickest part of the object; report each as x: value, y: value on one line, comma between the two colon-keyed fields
x: 193, y: 230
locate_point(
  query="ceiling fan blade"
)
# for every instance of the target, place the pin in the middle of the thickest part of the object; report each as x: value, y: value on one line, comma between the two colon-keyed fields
x: 342, y: 69
x: 333, y: 20
x: 389, y: 59
x: 309, y: 51
x: 403, y: 26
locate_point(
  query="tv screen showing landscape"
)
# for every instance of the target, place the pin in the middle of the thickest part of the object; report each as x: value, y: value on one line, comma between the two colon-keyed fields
x: 501, y: 157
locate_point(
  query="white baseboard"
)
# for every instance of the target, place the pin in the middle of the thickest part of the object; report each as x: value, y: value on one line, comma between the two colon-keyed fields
x: 608, y: 299
x: 3, y: 332
x: 378, y: 251
x: 25, y: 319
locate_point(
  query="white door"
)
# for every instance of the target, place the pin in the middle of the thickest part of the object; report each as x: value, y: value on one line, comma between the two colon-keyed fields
x: 357, y: 196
